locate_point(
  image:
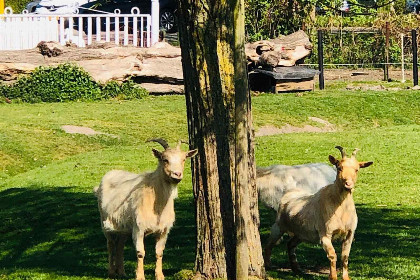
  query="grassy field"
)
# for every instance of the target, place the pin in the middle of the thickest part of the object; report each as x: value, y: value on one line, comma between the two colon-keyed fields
x: 49, y: 220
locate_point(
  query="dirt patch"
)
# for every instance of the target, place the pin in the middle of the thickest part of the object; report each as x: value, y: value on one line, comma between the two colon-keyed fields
x: 267, y: 130
x: 351, y: 75
x: 160, y: 89
x: 74, y: 129
x: 321, y: 121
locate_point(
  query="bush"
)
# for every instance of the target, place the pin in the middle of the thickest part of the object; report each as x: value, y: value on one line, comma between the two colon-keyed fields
x: 66, y: 82
x: 126, y: 90
x: 17, y: 5
x: 184, y: 274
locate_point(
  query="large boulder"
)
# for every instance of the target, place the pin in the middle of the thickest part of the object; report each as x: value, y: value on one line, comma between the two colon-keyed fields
x: 104, y: 61
x: 281, y: 51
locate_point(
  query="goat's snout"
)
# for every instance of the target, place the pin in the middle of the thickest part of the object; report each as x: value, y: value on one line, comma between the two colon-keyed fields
x: 177, y: 174
x: 349, y: 184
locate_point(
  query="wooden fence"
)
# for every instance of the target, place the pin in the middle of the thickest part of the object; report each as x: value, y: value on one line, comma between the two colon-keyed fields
x: 25, y: 31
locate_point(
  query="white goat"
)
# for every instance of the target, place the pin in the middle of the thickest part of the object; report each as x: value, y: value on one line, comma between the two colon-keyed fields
x: 275, y: 180
x: 138, y: 205
x: 325, y: 216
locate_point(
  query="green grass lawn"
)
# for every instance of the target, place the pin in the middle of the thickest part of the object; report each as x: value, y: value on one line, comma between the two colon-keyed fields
x: 49, y: 220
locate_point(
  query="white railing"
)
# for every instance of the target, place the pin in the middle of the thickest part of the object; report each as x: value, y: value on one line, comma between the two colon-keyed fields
x: 25, y: 31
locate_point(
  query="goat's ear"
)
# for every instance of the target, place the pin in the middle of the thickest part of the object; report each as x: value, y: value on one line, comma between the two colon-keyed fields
x: 191, y: 153
x: 333, y: 160
x: 364, y: 164
x: 157, y: 154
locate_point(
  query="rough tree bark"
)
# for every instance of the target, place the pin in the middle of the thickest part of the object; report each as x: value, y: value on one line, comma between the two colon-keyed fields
x: 220, y: 126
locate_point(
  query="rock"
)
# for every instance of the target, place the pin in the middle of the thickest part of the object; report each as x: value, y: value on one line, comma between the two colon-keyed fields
x: 103, y: 70
x: 352, y: 87
x: 162, y: 49
x: 74, y: 129
x: 160, y: 64
x: 9, y: 71
x: 163, y: 88
x: 375, y: 88
x: 50, y: 48
x: 101, y: 45
x: 162, y: 70
x: 281, y: 51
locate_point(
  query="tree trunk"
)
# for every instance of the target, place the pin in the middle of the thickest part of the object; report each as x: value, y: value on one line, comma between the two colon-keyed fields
x: 220, y: 126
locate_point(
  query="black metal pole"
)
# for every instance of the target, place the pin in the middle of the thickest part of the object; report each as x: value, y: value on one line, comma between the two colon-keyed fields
x: 321, y: 59
x: 386, y: 65
x: 415, y: 66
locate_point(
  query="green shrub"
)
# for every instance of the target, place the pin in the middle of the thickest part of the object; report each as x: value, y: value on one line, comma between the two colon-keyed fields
x: 17, y: 5
x: 126, y: 90
x: 66, y: 82
x: 184, y: 274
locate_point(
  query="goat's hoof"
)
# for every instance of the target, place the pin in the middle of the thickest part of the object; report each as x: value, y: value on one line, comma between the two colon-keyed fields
x: 122, y: 275
x: 267, y: 265
x: 297, y: 270
x: 267, y: 262
x: 346, y: 278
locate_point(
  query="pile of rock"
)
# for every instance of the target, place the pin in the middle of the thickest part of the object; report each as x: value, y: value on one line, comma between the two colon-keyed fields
x: 281, y: 51
x: 158, y: 69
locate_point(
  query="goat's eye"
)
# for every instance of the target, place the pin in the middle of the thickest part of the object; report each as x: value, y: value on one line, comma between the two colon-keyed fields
x: 166, y: 161
x: 339, y: 168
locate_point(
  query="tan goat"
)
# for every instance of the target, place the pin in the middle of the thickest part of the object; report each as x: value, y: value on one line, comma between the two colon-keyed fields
x: 323, y: 217
x: 138, y: 205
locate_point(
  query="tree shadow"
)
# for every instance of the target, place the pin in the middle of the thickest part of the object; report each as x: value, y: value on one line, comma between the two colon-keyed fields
x: 382, y: 234
x: 57, y: 230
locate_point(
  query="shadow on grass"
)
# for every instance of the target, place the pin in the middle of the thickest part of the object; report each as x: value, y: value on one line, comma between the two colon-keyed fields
x: 383, y: 237
x: 57, y: 230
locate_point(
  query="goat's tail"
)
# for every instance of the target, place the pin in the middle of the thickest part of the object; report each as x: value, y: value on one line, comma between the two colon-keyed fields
x: 95, y: 191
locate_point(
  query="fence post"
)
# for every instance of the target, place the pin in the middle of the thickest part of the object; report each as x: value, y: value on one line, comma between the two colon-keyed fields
x: 415, y: 66
x: 386, y: 66
x: 155, y: 21
x: 402, y: 59
x: 321, y: 58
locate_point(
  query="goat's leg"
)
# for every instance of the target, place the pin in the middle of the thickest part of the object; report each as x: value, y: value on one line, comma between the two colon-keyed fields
x: 332, y: 256
x: 275, y: 236
x: 121, y: 239
x: 291, y: 250
x: 160, y: 246
x: 138, y: 239
x: 345, y: 252
x: 110, y: 241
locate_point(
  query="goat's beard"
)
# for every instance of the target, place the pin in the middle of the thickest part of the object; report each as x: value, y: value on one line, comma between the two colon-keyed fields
x: 175, y: 180
x: 172, y: 181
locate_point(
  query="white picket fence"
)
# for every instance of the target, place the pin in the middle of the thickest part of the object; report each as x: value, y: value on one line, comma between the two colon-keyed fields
x: 25, y: 31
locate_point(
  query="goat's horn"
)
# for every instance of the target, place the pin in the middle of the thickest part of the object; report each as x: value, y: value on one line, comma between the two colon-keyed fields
x: 355, y: 152
x: 343, y: 153
x: 183, y: 142
x: 160, y: 141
